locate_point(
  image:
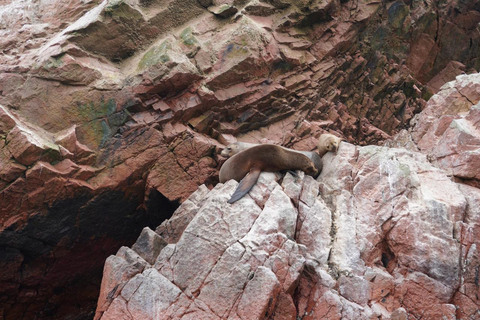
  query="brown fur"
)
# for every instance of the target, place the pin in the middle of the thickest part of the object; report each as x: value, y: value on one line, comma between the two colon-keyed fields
x: 265, y: 157
x: 236, y: 147
x: 328, y: 142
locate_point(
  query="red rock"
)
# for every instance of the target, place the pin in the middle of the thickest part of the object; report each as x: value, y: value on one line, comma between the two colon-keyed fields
x: 445, y: 311
x: 69, y: 70
x: 188, y: 106
x: 27, y: 146
x: 162, y: 106
x: 9, y: 170
x: 420, y: 53
x: 128, y: 99
x: 284, y: 308
x: 453, y: 69
x: 7, y: 120
x: 175, y: 168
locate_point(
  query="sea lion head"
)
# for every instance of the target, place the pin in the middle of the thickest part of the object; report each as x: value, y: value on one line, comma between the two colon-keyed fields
x: 328, y: 142
x: 229, y: 150
x: 332, y: 144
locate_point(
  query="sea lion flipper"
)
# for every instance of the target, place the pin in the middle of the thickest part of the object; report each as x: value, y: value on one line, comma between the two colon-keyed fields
x: 245, y: 185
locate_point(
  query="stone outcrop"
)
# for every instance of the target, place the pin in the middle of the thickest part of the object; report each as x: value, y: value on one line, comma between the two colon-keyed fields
x: 448, y: 130
x: 381, y: 234
x: 112, y: 112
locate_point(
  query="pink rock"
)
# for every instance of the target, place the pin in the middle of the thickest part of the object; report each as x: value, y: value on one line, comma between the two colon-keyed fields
x: 148, y: 245
x: 119, y: 268
x: 447, y: 128
x: 232, y: 241
x: 355, y: 289
x: 260, y: 295
x: 171, y: 230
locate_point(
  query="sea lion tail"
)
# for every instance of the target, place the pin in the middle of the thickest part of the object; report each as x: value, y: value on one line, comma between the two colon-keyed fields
x: 245, y: 185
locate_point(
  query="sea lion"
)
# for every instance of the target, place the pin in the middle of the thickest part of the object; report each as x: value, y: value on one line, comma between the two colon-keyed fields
x: 236, y: 147
x: 247, y: 165
x: 328, y: 142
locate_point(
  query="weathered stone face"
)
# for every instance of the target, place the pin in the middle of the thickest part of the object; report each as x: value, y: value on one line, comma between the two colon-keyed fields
x: 123, y: 105
x: 382, y: 233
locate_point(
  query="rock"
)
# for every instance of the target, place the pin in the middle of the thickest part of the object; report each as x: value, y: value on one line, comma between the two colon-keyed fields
x: 125, y: 265
x: 7, y: 120
x: 149, y: 245
x: 223, y: 11
x: 346, y: 252
x: 355, y: 289
x: 448, y: 74
x: 166, y: 69
x: 450, y: 137
x: 257, y: 267
x: 205, y: 3
x: 113, y: 113
x: 173, y: 169
x: 257, y: 8
x: 259, y: 296
x: 69, y: 70
x: 399, y: 314
x: 27, y: 146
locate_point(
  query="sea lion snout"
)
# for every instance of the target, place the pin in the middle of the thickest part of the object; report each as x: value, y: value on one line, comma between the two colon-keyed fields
x: 333, y: 146
x: 226, y: 152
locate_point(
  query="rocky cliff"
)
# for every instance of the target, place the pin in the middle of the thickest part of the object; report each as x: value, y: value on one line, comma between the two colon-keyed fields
x: 381, y: 234
x: 112, y: 113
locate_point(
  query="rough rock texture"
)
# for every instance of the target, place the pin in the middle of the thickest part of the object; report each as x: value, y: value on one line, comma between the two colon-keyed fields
x: 382, y: 234
x: 112, y: 112
x: 448, y: 130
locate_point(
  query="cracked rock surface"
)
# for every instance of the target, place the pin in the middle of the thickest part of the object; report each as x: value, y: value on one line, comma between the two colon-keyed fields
x: 380, y: 233
x: 113, y: 112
